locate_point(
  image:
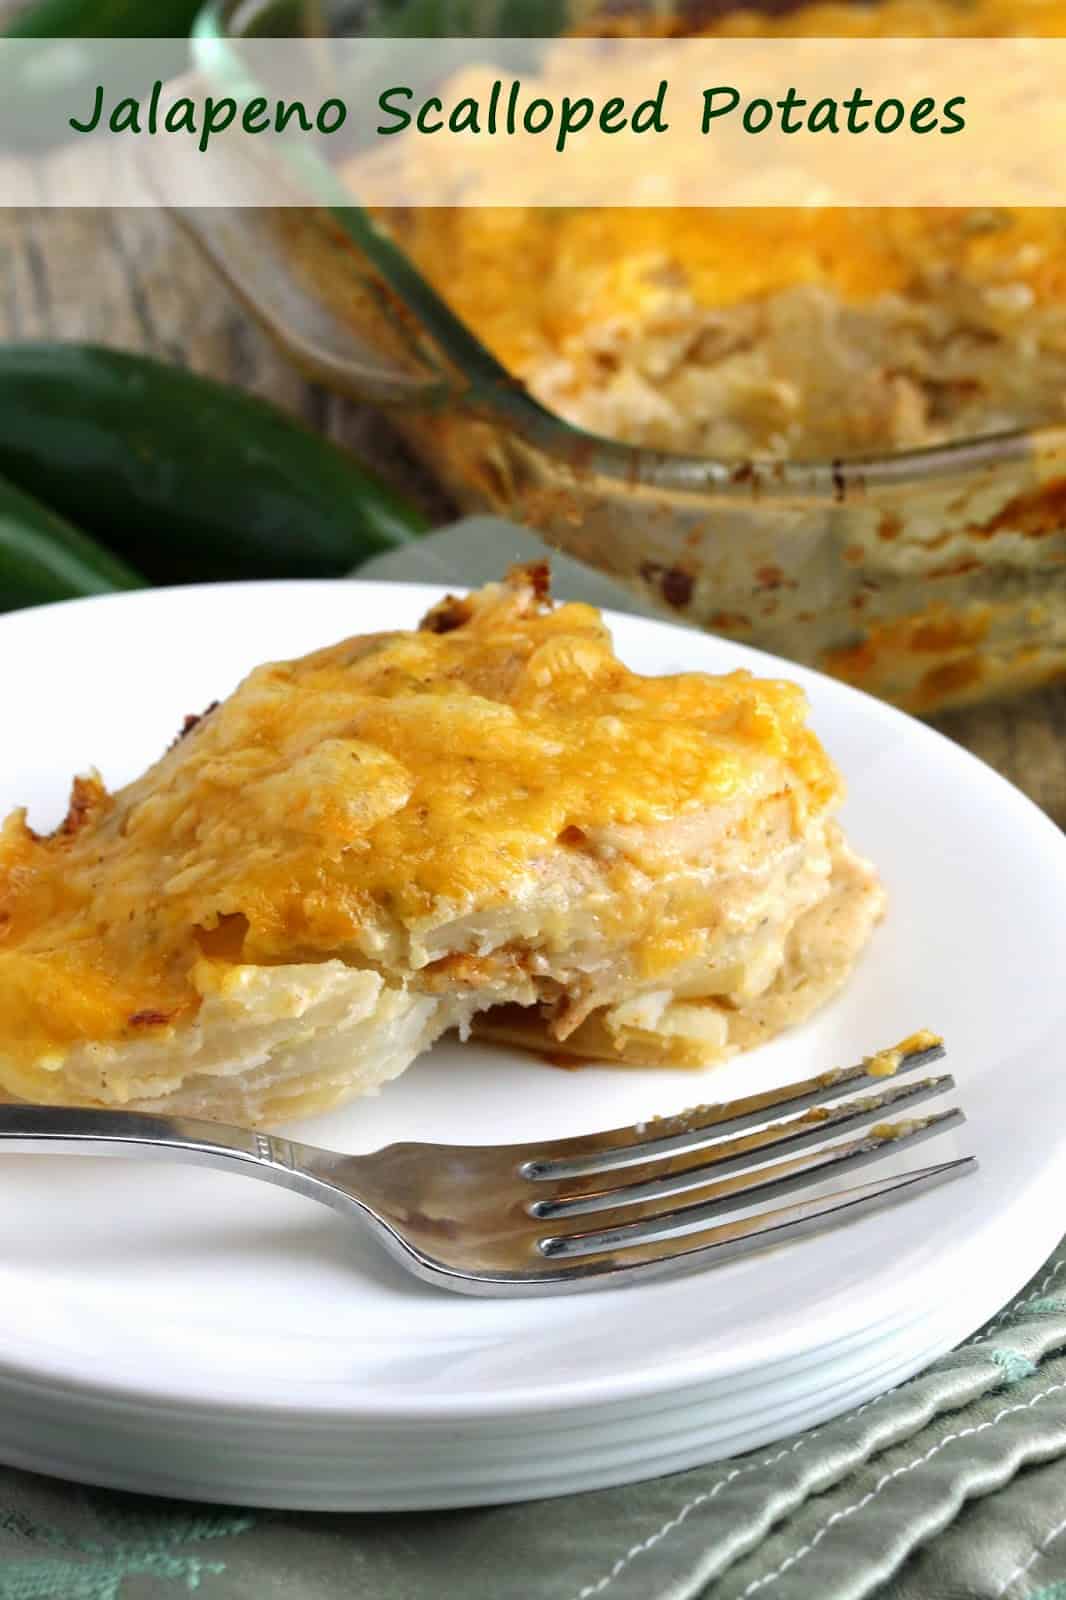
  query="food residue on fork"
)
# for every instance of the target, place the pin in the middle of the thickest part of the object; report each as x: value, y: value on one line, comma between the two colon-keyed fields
x: 885, y: 1063
x: 899, y: 1130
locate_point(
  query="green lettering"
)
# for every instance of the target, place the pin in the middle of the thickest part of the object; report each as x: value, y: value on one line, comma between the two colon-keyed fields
x: 465, y: 117
x: 126, y: 117
x: 896, y: 112
x: 651, y: 111
x: 253, y: 110
x: 786, y: 107
x: 218, y: 115
x: 333, y: 111
x: 286, y: 111
x: 181, y: 116
x: 855, y: 103
x: 613, y: 115
x: 920, y: 114
x: 403, y: 118
x: 538, y: 115
x: 575, y: 115
x: 94, y: 120
x: 421, y: 122
x: 755, y: 123
x: 709, y: 112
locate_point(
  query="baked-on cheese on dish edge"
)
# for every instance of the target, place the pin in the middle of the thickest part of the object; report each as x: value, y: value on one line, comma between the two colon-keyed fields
x: 401, y: 833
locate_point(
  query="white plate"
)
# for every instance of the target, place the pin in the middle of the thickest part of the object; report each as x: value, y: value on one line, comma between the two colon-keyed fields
x: 287, y: 1361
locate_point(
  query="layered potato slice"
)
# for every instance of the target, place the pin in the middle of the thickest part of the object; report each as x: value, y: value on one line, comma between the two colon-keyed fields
x: 488, y: 820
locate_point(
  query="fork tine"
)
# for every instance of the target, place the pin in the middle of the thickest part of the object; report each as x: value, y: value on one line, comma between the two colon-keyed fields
x: 619, y: 1147
x: 726, y: 1242
x: 690, y: 1168
x: 622, y: 1222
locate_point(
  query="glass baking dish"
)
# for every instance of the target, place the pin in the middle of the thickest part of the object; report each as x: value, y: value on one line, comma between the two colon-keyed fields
x: 931, y: 577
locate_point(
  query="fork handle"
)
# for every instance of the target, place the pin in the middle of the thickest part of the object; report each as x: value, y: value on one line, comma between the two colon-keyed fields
x: 140, y: 1135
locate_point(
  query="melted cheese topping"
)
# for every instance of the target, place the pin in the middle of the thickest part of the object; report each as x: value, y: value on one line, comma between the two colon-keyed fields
x: 397, y: 777
x: 530, y: 281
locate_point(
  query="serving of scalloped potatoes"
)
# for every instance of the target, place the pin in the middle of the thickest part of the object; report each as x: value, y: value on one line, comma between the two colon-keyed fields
x: 486, y: 821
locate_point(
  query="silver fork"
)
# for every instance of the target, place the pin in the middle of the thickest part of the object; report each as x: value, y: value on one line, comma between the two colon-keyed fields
x: 566, y: 1214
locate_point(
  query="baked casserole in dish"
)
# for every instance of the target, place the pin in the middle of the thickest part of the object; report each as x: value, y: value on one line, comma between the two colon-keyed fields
x: 836, y: 434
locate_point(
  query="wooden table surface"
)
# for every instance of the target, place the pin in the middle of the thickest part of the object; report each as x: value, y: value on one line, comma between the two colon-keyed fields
x: 131, y: 278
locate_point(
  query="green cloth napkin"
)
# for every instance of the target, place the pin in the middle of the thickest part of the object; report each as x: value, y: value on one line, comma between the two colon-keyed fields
x: 951, y: 1487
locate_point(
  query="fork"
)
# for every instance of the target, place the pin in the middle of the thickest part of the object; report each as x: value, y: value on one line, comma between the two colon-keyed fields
x: 567, y: 1214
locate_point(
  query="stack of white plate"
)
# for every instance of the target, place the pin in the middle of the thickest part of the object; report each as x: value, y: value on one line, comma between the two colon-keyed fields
x: 190, y: 1333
